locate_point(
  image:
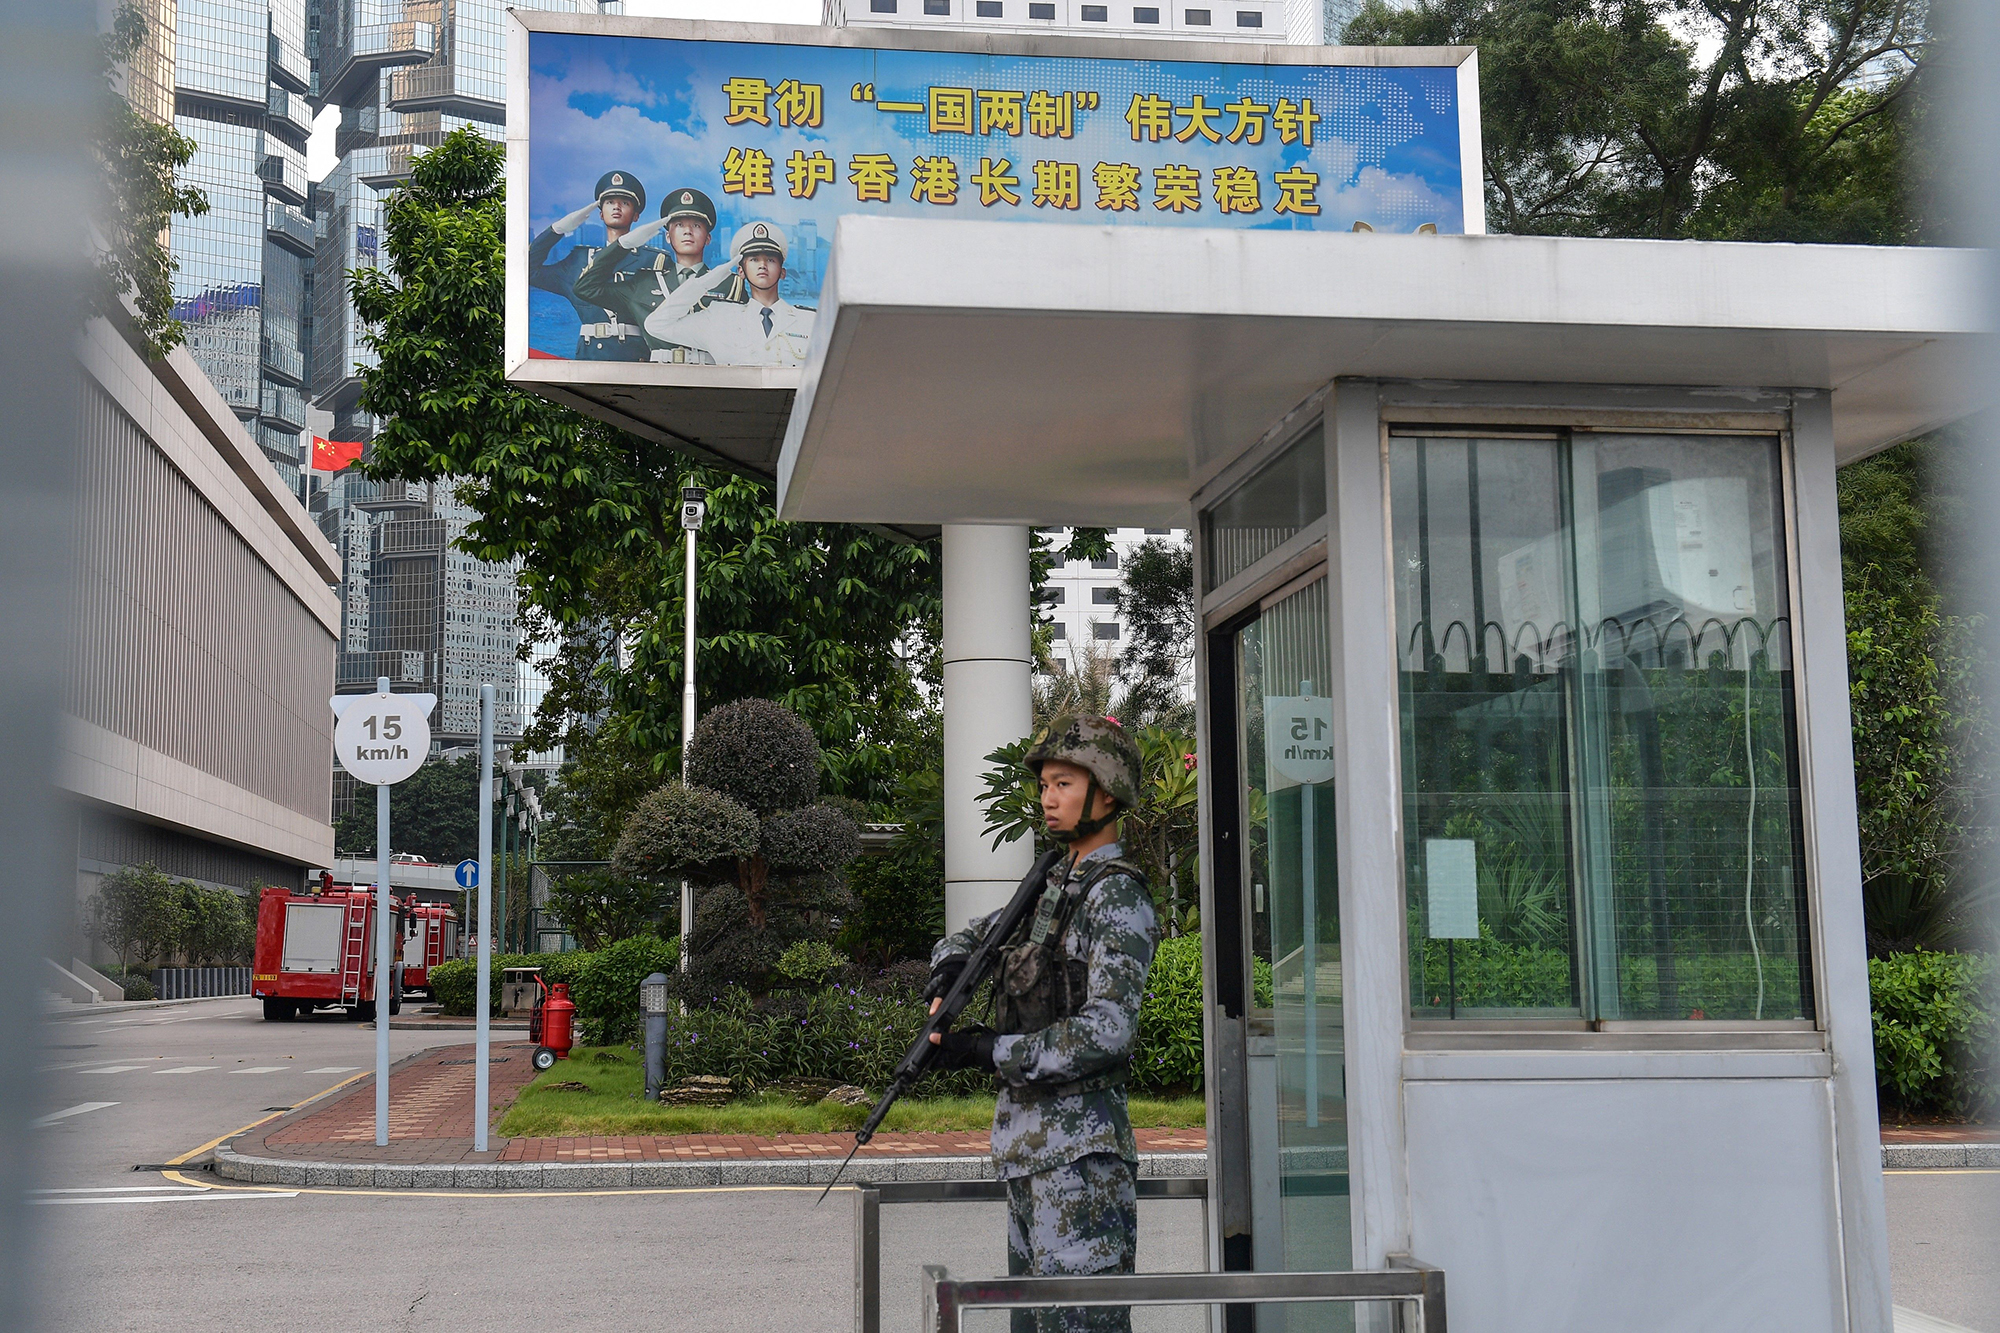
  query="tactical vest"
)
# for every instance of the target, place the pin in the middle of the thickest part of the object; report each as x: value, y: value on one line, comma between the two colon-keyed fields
x: 1038, y: 984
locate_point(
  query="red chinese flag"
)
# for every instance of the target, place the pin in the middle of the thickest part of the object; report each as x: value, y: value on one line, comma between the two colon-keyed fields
x: 333, y: 455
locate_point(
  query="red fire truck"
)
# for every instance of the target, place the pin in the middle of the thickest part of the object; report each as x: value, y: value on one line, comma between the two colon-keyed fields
x: 432, y: 936
x: 317, y: 951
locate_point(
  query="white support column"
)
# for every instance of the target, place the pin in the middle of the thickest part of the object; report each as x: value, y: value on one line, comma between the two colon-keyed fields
x: 987, y: 704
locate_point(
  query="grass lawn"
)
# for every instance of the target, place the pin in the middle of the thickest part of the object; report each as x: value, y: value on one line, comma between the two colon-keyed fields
x: 614, y: 1076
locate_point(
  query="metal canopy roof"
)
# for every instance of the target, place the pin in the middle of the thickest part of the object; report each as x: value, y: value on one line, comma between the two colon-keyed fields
x: 967, y: 372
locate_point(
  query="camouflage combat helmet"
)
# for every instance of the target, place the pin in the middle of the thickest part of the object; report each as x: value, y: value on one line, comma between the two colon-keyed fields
x: 1100, y: 747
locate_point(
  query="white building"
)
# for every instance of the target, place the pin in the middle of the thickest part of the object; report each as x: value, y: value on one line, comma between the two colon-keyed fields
x: 1301, y: 22
x: 1080, y: 600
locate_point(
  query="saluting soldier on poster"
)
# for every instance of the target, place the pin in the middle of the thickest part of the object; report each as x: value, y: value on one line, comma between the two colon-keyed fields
x: 601, y: 334
x: 736, y: 315
x: 634, y: 290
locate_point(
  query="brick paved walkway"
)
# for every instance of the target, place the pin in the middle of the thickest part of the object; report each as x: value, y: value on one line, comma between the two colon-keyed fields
x: 1941, y: 1133
x: 792, y: 1147
x: 430, y: 1123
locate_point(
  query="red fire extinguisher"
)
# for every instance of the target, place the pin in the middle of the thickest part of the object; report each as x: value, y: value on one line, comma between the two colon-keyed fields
x: 554, y: 1019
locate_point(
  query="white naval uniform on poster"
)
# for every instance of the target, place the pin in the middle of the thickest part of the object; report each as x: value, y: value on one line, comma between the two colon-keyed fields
x: 735, y: 333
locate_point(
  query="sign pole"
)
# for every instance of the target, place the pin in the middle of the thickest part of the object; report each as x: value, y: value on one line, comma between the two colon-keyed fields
x: 383, y: 952
x: 380, y: 739
x: 482, y: 1022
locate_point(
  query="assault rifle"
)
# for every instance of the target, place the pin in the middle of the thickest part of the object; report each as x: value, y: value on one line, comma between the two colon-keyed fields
x: 977, y: 969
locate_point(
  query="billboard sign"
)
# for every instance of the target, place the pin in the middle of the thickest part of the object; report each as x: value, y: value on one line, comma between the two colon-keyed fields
x: 682, y: 180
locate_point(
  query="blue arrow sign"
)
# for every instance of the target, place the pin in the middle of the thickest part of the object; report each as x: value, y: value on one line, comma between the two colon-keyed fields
x: 467, y: 874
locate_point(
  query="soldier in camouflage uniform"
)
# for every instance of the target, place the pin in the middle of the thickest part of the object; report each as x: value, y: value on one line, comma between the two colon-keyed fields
x: 1067, y: 1017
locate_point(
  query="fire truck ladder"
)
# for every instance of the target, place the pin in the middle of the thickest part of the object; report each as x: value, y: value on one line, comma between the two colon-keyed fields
x: 354, y: 953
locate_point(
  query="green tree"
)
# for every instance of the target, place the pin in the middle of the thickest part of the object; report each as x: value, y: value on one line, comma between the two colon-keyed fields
x: 217, y: 926
x: 809, y: 614
x: 434, y: 813
x: 1718, y: 119
x: 1156, y: 609
x: 1921, y: 732
x: 139, y: 160
x: 598, y: 907
x: 137, y: 911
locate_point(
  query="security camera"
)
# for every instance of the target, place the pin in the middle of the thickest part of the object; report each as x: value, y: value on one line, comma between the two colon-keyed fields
x: 694, y: 507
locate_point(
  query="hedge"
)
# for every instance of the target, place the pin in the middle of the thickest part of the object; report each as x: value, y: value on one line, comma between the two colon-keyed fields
x: 1937, y: 1017
x: 604, y: 985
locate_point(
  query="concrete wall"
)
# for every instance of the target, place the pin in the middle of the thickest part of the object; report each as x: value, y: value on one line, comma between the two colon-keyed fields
x: 195, y: 731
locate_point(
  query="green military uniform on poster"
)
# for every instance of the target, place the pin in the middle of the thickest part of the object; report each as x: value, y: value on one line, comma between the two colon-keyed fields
x: 1067, y: 999
x: 634, y: 291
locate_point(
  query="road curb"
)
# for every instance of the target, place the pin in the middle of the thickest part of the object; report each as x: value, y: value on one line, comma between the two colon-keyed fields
x: 637, y: 1175
x: 233, y: 1165
x: 129, y: 1006
x: 1934, y: 1156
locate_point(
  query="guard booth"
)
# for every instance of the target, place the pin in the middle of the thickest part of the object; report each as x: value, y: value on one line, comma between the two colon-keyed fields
x: 1530, y: 894
x: 1530, y: 882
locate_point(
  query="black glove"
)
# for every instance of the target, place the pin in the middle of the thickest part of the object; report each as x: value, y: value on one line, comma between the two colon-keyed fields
x: 944, y: 976
x: 970, y: 1049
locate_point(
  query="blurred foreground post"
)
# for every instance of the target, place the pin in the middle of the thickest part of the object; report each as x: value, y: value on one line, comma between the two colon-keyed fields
x: 46, y: 199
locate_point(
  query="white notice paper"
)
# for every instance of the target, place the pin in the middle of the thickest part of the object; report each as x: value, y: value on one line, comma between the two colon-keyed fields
x: 1451, y: 879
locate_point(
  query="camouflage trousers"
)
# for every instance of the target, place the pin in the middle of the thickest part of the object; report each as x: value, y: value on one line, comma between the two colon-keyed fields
x: 1082, y: 1217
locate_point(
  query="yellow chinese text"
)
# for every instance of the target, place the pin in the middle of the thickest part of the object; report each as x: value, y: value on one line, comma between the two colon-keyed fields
x: 749, y: 100
x: 1198, y: 117
x: 1117, y: 185
x: 800, y: 103
x: 1177, y: 188
x: 1236, y: 190
x: 747, y: 171
x: 806, y: 174
x: 1000, y: 112
x: 1297, y: 191
x: 1249, y: 127
x: 1151, y: 118
x: 951, y: 111
x: 997, y: 182
x: 874, y: 176
x: 934, y: 180
x: 1052, y: 115
x: 1295, y: 123
x: 1058, y: 185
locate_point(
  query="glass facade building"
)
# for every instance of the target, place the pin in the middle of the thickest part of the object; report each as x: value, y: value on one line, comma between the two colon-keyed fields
x: 403, y: 75
x: 239, y: 78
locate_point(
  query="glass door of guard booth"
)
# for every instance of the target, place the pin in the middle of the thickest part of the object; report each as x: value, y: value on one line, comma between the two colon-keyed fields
x: 1273, y: 725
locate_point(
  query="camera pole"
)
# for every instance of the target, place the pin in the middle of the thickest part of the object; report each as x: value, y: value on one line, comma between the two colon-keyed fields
x: 694, y: 507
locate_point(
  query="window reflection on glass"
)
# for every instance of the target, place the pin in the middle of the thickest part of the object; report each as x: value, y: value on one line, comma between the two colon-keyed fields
x: 1287, y: 760
x: 1268, y: 510
x: 1600, y: 769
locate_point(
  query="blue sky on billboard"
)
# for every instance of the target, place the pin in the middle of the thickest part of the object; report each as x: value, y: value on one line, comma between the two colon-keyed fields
x: 1291, y: 146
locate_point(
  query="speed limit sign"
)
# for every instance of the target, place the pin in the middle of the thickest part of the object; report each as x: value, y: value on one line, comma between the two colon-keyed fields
x: 382, y: 738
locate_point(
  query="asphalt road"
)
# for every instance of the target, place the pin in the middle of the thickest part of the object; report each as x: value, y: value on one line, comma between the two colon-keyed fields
x: 1944, y: 1244
x: 164, y: 1081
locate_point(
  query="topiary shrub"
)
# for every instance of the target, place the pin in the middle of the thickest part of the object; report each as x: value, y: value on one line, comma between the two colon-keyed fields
x: 765, y: 856
x: 137, y: 987
x: 817, y: 837
x: 757, y: 752
x: 681, y: 832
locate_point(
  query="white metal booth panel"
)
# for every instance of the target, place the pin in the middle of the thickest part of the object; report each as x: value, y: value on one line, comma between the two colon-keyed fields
x: 1530, y: 886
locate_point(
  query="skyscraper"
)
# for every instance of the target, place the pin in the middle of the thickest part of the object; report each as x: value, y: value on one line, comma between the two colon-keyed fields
x: 404, y: 75
x: 240, y: 76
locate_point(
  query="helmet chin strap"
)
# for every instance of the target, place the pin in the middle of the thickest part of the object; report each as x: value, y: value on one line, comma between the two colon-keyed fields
x: 1085, y: 826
